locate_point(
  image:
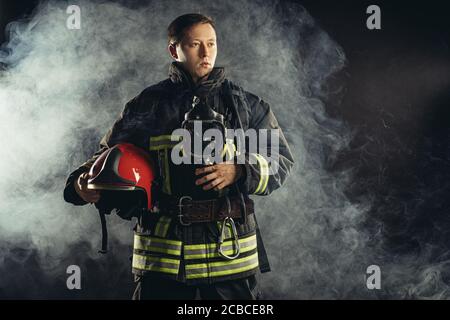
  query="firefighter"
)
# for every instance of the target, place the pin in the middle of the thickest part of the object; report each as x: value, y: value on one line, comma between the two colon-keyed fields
x: 200, y: 235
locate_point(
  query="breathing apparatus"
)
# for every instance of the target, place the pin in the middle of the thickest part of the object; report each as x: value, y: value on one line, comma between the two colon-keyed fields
x: 197, y: 122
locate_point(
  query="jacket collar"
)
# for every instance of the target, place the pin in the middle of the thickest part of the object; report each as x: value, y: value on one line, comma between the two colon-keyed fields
x: 207, y: 85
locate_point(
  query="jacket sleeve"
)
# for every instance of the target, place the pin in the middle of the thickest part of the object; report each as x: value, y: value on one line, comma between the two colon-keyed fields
x: 122, y: 130
x: 266, y: 169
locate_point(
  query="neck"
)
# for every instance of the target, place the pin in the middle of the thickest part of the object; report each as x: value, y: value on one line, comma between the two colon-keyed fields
x: 196, y: 79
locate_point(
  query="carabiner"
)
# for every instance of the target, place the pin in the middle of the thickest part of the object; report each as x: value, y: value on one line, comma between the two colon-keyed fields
x: 235, y: 240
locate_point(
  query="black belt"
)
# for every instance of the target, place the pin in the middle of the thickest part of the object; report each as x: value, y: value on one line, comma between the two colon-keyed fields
x: 191, y: 211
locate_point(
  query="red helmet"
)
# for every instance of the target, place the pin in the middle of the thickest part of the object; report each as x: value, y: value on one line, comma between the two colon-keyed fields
x: 124, y: 167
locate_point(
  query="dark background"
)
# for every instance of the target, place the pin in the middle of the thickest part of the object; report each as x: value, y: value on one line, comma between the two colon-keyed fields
x: 396, y: 97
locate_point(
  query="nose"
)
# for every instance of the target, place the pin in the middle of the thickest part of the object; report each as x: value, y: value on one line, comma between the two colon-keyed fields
x: 204, y: 52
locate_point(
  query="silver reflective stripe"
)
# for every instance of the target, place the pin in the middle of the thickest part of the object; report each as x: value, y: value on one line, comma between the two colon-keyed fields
x: 153, y: 263
x: 210, y: 250
x: 222, y: 268
x: 153, y: 244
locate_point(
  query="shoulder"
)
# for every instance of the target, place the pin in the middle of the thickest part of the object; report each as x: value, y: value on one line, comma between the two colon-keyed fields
x: 157, y: 90
x: 147, y: 98
x: 253, y: 101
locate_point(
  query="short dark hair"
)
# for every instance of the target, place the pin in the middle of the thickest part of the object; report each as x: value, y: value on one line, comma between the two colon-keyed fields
x: 178, y: 26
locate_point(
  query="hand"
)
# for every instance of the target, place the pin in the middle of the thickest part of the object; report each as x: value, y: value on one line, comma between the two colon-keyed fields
x: 220, y: 175
x: 88, y: 195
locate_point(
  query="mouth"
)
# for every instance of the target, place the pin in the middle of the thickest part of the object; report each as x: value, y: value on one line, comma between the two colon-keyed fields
x: 205, y: 64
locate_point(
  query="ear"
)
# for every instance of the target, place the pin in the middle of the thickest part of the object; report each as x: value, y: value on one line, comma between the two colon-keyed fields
x: 173, y: 51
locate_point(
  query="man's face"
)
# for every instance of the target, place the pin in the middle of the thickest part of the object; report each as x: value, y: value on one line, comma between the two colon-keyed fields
x: 197, y: 50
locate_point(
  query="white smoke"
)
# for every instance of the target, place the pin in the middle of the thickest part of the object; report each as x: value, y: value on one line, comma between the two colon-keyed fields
x: 62, y: 89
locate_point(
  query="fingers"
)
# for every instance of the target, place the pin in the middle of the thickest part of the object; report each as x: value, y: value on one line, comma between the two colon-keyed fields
x: 221, y: 185
x: 88, y: 195
x: 207, y: 178
x: 82, y: 181
x: 221, y: 176
x: 83, y: 184
x: 206, y: 169
x: 83, y: 178
x: 214, y: 183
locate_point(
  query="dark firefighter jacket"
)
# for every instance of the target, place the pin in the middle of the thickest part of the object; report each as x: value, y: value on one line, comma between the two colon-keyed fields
x: 161, y: 244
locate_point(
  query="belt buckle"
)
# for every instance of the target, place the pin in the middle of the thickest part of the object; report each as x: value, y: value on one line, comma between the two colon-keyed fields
x: 180, y: 210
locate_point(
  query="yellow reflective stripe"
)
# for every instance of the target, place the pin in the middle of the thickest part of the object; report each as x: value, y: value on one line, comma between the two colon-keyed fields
x: 149, y: 263
x: 219, y: 263
x: 163, y: 142
x: 153, y: 245
x: 167, y: 241
x: 229, y: 149
x: 210, y: 250
x: 222, y: 273
x: 264, y: 174
x: 162, y: 226
x: 160, y: 147
x: 162, y: 137
x: 162, y: 250
x: 224, y: 151
x: 214, y: 269
x: 166, y: 138
x: 215, y: 253
x: 233, y: 271
x: 226, y: 243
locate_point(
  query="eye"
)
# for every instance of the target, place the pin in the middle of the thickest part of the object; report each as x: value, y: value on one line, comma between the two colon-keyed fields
x: 195, y: 44
x: 211, y: 44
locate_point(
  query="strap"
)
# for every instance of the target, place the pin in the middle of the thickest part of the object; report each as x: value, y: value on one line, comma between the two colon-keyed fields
x: 230, y: 97
x: 104, y: 248
x: 264, y: 264
x: 162, y: 226
x: 203, y: 210
x: 210, y: 210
